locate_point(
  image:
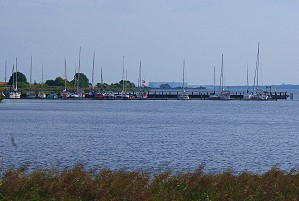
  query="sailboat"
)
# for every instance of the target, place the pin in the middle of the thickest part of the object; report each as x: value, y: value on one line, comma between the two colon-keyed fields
x: 259, y: 94
x: 214, y: 96
x: 41, y: 94
x: 99, y: 94
x: 15, y: 94
x: 78, y: 93
x: 184, y: 95
x: 224, y: 94
x: 248, y: 95
x: 30, y: 94
x: 123, y: 94
x: 65, y: 93
x: 140, y: 94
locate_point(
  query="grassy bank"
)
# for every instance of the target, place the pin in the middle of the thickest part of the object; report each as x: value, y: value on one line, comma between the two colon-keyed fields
x: 77, y: 183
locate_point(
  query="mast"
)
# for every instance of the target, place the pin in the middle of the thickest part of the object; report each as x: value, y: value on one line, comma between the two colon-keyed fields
x: 13, y: 77
x: 65, y: 73
x: 5, y: 76
x: 101, y: 80
x: 123, y: 74
x: 256, y: 72
x: 75, y: 79
x: 30, y: 74
x: 41, y: 85
x: 257, y: 65
x: 221, y: 75
x: 184, y: 75
x: 78, y: 82
x: 139, y: 79
x: 16, y: 73
x: 247, y: 79
x: 214, y: 81
x: 92, y: 77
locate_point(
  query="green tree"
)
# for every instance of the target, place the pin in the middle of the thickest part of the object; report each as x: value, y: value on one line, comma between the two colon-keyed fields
x: 59, y: 81
x: 20, y: 76
x: 50, y: 82
x: 83, y: 80
x: 128, y: 84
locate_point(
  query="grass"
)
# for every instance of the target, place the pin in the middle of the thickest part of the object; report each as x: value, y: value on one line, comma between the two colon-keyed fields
x: 78, y: 183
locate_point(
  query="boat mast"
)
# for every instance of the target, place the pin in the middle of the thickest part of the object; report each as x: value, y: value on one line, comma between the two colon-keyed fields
x: 257, y: 65
x: 101, y: 80
x: 221, y: 75
x: 214, y: 80
x: 16, y: 73
x: 65, y: 73
x: 139, y: 79
x: 30, y: 74
x: 123, y: 74
x: 184, y: 75
x: 92, y: 77
x: 5, y: 76
x: 78, y: 82
x: 41, y: 86
x: 247, y: 79
x: 13, y: 77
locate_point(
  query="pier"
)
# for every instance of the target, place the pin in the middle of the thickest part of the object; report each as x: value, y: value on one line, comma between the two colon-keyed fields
x: 204, y: 95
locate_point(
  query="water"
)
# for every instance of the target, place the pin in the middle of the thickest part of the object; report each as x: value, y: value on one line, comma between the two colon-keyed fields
x: 151, y: 135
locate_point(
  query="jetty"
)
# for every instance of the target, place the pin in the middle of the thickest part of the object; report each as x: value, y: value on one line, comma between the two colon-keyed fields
x: 204, y: 95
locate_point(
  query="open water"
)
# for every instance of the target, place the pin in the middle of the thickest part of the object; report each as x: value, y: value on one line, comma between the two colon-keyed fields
x: 150, y: 135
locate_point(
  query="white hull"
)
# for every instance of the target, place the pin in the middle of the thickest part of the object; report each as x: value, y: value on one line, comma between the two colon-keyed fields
x: 15, y: 95
x: 141, y: 95
x: 183, y: 96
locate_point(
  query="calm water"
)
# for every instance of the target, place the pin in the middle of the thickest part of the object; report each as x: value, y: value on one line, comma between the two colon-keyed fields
x: 243, y: 135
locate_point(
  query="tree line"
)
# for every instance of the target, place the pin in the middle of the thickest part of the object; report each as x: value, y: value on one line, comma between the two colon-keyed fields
x: 79, y: 79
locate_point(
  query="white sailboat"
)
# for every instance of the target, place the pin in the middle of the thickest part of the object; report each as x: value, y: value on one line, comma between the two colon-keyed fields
x: 30, y: 94
x: 99, y: 94
x: 41, y: 94
x: 65, y: 93
x: 15, y: 94
x: 123, y: 95
x: 248, y: 95
x: 214, y: 96
x: 78, y: 93
x: 258, y: 93
x: 140, y: 94
x: 184, y: 95
x: 224, y: 94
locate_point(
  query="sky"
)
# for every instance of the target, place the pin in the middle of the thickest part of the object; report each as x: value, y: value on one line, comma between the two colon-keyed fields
x: 158, y: 33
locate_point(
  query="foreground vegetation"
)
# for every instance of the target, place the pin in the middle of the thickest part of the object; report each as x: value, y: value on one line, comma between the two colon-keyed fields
x: 78, y: 183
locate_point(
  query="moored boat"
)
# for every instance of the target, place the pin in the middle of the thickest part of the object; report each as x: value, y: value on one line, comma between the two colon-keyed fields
x: 184, y: 95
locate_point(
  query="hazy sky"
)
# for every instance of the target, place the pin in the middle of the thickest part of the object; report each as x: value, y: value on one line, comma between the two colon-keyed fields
x: 159, y: 33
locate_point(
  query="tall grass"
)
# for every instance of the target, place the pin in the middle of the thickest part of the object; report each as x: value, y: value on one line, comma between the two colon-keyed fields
x: 78, y: 183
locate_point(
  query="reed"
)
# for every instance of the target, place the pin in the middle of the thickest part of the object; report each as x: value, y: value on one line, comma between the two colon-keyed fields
x: 78, y: 183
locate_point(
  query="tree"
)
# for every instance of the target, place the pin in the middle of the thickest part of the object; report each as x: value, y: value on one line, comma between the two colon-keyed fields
x: 59, y: 81
x: 128, y: 84
x: 20, y: 77
x: 83, y: 80
x: 50, y: 82
x: 165, y: 86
